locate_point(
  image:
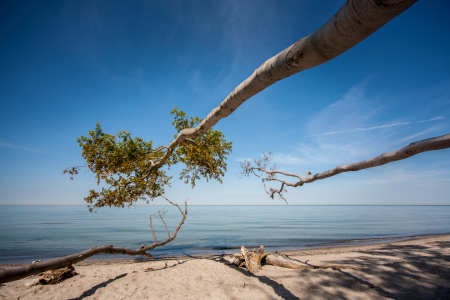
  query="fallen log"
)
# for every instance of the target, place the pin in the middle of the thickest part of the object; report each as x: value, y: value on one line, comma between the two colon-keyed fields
x: 38, y: 266
x: 252, y: 261
x: 286, y: 262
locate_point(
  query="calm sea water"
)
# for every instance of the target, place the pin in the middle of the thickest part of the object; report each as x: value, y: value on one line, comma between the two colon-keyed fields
x: 29, y: 233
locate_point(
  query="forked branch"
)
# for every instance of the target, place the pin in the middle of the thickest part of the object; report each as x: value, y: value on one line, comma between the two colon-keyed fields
x: 13, y: 274
x: 261, y: 164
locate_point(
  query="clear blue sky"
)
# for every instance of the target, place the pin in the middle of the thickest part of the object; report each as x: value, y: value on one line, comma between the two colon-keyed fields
x: 65, y: 65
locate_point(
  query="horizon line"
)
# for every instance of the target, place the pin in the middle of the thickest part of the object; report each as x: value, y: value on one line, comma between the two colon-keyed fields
x: 432, y: 204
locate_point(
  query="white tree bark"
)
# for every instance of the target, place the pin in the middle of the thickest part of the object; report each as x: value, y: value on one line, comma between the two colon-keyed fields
x: 436, y: 143
x: 355, y: 21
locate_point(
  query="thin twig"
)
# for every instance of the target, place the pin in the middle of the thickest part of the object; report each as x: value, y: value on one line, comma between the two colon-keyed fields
x: 162, y: 219
x: 153, y: 231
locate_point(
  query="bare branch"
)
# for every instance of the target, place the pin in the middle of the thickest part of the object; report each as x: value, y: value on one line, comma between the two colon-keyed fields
x: 153, y: 231
x: 162, y: 219
x: 176, y: 204
x: 436, y: 143
x: 8, y: 275
x: 279, y: 172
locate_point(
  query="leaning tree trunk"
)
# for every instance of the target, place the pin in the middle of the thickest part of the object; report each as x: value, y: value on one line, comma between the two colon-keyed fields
x: 355, y: 21
x: 34, y: 268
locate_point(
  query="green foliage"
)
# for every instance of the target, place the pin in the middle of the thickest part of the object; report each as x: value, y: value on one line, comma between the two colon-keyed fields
x: 207, y: 158
x: 129, y: 166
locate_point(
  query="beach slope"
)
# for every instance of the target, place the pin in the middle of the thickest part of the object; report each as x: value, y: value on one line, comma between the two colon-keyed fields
x: 411, y: 269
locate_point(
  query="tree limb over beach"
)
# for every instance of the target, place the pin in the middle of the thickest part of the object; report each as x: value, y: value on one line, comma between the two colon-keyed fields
x: 355, y: 21
x: 61, y: 262
x: 261, y: 167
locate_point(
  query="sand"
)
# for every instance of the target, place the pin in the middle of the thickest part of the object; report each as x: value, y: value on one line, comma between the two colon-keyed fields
x: 411, y: 269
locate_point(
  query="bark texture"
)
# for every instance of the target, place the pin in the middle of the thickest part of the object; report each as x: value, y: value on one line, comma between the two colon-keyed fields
x: 34, y: 268
x: 253, y: 259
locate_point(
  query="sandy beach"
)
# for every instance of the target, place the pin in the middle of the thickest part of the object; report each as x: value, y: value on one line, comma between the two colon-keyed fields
x: 411, y: 269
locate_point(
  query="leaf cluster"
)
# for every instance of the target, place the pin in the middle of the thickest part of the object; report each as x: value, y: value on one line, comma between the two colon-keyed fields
x: 206, y: 157
x: 132, y: 169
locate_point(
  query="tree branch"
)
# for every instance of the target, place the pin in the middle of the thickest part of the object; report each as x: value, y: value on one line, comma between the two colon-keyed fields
x: 280, y: 172
x: 13, y: 274
x: 162, y: 219
x: 192, y: 142
x: 436, y: 143
x: 153, y: 231
x: 355, y: 21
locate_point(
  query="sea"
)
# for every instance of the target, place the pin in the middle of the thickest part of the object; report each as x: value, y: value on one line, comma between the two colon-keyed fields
x: 41, y: 232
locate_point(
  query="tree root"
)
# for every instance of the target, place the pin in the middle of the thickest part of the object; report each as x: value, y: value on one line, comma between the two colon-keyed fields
x: 57, y: 276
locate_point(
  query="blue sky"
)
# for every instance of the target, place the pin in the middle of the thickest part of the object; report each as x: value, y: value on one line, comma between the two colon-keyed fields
x: 65, y: 65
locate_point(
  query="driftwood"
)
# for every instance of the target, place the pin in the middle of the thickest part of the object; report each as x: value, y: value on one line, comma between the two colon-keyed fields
x: 253, y: 258
x: 256, y: 257
x: 57, y: 276
x: 37, y: 267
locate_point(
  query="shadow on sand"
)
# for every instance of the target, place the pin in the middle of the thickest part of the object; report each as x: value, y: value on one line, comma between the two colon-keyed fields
x: 93, y: 289
x: 395, y: 272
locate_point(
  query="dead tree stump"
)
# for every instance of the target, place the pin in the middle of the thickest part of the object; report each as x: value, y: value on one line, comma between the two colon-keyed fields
x: 253, y: 258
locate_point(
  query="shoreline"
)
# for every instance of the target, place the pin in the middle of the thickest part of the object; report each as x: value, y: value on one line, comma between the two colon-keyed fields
x: 370, y: 244
x: 416, y: 268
